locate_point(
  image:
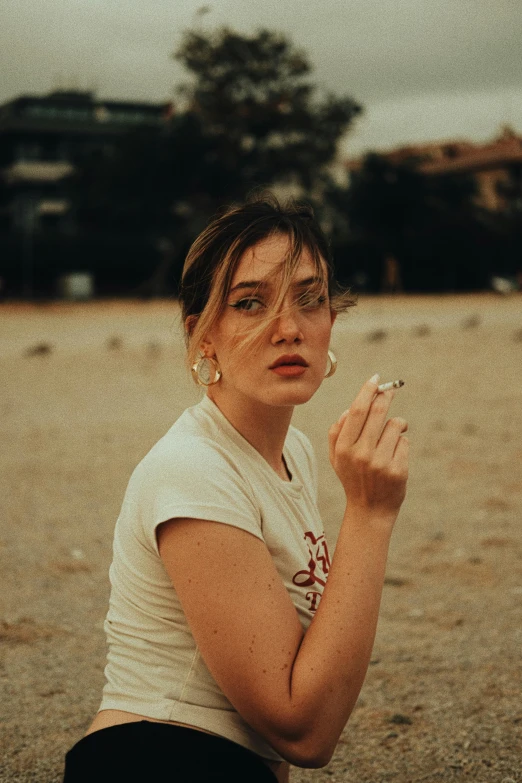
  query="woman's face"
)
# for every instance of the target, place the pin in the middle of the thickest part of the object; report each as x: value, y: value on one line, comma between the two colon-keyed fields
x: 286, y: 365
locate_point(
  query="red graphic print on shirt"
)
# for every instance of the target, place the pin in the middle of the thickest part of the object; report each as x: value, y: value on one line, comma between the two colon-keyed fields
x: 317, y: 571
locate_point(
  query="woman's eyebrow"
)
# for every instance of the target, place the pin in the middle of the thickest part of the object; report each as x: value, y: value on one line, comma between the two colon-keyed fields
x: 306, y: 283
x: 248, y: 284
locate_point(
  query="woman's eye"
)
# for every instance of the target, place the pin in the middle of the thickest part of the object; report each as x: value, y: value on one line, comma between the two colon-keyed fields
x: 311, y: 301
x: 250, y: 304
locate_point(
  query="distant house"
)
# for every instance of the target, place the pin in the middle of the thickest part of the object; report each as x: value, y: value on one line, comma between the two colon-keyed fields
x: 489, y: 163
x: 41, y: 137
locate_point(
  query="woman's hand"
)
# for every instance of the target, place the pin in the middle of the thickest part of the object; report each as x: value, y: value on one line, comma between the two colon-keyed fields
x: 370, y: 454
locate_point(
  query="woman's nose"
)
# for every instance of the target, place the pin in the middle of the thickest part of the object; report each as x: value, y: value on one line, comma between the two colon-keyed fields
x: 287, y: 327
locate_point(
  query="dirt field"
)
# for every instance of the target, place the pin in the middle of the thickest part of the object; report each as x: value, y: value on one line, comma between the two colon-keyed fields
x: 85, y: 390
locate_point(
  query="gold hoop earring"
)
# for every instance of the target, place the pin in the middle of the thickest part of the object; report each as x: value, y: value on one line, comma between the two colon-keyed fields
x: 206, y: 371
x: 331, y: 367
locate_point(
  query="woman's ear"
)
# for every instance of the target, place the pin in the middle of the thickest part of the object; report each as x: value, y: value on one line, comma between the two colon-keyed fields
x: 333, y: 316
x: 190, y: 324
x: 207, y: 348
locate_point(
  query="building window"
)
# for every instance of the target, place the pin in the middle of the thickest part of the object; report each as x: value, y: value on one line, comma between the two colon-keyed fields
x: 72, y: 113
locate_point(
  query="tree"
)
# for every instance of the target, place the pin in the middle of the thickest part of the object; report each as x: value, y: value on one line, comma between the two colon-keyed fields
x: 509, y: 222
x: 426, y: 229
x: 250, y: 119
x: 255, y: 102
x: 371, y: 218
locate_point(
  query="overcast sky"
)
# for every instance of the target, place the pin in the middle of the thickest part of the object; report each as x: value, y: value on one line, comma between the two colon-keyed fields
x: 423, y: 69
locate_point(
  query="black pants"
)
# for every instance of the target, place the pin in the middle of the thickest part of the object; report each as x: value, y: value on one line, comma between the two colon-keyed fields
x: 146, y: 752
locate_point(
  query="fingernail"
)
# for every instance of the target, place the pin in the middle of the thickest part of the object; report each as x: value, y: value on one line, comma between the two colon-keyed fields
x: 375, y: 378
x: 344, y: 415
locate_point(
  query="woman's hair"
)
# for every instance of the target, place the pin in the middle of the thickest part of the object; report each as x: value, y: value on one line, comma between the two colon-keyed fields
x: 215, y: 254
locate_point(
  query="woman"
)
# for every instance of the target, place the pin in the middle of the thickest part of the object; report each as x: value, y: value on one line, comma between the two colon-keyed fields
x: 230, y: 654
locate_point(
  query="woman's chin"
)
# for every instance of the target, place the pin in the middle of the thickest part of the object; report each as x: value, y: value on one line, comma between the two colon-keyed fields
x: 292, y: 397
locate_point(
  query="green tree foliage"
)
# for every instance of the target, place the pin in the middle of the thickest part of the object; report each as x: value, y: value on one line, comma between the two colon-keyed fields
x: 429, y: 225
x: 509, y: 222
x: 510, y: 189
x: 255, y: 101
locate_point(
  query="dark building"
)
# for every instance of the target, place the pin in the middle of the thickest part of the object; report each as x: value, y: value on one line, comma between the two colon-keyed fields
x: 490, y: 163
x: 41, y: 139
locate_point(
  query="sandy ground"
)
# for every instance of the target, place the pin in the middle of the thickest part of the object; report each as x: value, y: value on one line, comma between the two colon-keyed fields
x: 442, y: 700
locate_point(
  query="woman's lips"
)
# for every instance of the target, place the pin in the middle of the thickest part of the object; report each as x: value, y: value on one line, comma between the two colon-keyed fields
x: 289, y: 370
x: 290, y: 366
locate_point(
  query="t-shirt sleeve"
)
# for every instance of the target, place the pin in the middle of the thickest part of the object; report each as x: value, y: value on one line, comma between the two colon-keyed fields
x: 193, y: 479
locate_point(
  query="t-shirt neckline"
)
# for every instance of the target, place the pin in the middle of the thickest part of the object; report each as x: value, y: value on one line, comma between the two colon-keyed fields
x: 293, y: 486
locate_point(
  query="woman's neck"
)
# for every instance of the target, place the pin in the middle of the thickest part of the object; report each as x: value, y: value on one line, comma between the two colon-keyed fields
x: 265, y: 427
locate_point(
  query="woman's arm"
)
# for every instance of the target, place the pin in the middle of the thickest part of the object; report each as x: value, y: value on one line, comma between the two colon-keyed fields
x: 297, y: 690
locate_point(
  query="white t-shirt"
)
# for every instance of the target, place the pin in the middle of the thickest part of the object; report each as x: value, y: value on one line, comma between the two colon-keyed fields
x: 202, y: 469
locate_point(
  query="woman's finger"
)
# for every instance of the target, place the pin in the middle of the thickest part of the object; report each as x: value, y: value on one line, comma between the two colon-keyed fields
x: 401, y: 453
x: 393, y: 429
x: 376, y: 419
x: 354, y: 419
x: 333, y: 434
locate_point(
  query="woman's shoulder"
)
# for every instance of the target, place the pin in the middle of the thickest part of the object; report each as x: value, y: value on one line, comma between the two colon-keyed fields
x: 188, y: 474
x: 192, y: 453
x: 182, y: 453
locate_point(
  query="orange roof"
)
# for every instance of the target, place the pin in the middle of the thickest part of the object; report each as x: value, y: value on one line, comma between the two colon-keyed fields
x: 457, y: 156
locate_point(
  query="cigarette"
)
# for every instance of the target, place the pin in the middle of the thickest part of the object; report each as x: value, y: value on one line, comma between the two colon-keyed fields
x: 390, y: 385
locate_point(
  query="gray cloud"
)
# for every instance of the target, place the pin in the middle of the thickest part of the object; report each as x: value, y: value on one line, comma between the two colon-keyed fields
x: 410, y: 47
x: 384, y: 53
